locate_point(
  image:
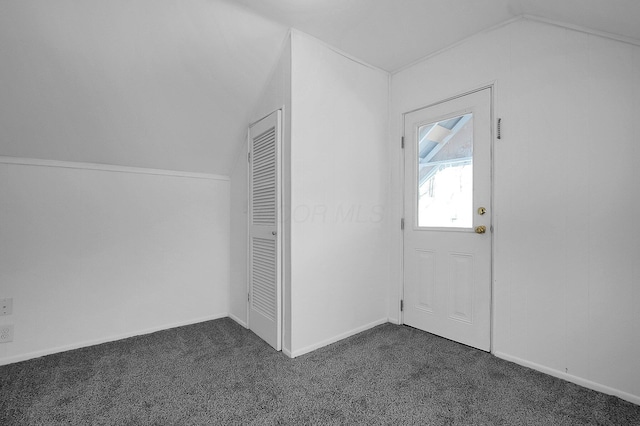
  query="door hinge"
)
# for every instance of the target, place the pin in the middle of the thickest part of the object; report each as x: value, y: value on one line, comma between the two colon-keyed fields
x: 402, y: 142
x: 402, y: 224
x: 249, y: 157
x: 248, y: 297
x: 499, y: 128
x: 402, y: 306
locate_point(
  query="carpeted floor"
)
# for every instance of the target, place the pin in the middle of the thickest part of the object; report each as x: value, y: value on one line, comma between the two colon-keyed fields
x: 219, y: 373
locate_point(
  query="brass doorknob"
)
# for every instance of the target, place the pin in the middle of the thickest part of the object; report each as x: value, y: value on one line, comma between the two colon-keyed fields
x: 481, y: 229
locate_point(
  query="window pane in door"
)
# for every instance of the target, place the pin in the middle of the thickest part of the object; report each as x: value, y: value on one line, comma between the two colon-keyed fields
x: 445, y: 173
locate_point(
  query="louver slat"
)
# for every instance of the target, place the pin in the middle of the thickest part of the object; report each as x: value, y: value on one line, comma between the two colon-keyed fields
x: 264, y: 275
x: 264, y: 178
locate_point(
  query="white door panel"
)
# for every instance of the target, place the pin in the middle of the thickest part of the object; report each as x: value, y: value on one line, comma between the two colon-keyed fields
x: 447, y: 263
x: 265, y: 285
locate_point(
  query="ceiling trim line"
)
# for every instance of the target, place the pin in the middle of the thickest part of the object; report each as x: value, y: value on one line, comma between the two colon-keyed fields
x: 580, y: 28
x: 458, y: 43
x: 338, y: 51
x: 37, y: 162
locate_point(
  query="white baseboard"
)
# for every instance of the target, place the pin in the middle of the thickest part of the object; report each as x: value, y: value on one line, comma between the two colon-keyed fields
x: 635, y: 399
x: 239, y: 321
x: 394, y: 321
x: 84, y: 344
x: 313, y: 347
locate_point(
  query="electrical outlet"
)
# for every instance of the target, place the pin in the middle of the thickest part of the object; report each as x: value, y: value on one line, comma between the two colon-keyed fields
x: 6, y: 306
x: 6, y: 333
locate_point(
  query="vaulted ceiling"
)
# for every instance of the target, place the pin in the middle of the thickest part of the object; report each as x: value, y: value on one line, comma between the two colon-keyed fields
x: 171, y: 84
x: 393, y: 33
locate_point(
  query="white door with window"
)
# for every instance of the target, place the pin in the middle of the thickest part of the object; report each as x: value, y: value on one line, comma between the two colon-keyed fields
x: 447, y: 224
x: 265, y: 283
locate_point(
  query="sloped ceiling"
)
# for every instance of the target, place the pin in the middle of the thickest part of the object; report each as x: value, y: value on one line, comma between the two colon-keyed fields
x: 386, y: 33
x: 393, y: 33
x: 171, y: 84
x: 160, y: 84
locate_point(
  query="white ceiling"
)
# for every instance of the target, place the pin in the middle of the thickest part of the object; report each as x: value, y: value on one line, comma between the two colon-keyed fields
x: 393, y: 33
x: 171, y: 84
x: 147, y: 83
x: 386, y: 33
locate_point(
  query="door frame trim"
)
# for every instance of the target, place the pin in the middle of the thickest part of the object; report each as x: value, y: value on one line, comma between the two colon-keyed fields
x: 492, y: 86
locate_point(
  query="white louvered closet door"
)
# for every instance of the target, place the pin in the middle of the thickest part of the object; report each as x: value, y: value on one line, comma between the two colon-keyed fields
x: 264, y: 217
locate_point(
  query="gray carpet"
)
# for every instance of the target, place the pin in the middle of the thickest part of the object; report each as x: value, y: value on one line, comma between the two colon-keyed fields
x: 219, y: 373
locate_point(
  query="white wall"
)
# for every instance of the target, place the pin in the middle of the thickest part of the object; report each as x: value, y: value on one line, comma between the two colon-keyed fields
x: 276, y: 94
x: 334, y: 135
x: 339, y: 273
x: 566, y: 194
x: 238, y: 285
x: 95, y: 253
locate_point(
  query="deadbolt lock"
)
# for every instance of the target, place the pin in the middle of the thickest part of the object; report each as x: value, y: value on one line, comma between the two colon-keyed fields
x: 481, y: 211
x: 481, y: 229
